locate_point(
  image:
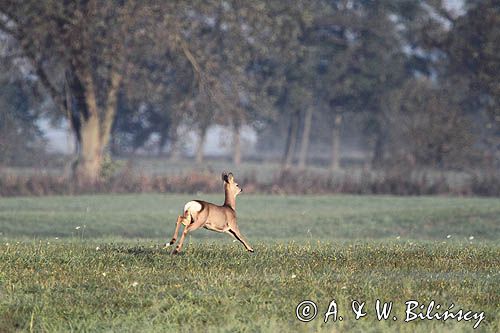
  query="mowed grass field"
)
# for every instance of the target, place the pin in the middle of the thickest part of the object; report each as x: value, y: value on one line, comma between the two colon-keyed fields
x: 95, y: 263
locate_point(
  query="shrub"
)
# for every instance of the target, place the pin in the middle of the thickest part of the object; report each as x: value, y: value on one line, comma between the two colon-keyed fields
x: 396, y: 182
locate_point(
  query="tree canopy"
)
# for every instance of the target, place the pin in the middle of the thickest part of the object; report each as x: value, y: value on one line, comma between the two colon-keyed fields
x: 315, y: 73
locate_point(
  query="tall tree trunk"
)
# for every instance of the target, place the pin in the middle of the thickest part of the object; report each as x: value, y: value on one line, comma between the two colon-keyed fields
x: 335, y: 153
x: 92, y: 131
x: 236, y: 145
x: 304, y: 144
x: 378, y: 150
x: 85, y: 118
x: 202, y: 135
x: 162, y: 141
x: 110, y: 107
x: 291, y: 141
x: 174, y: 145
x: 164, y: 130
x: 89, y: 160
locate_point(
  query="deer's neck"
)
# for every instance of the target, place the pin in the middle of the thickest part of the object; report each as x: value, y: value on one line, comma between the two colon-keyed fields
x: 230, y: 200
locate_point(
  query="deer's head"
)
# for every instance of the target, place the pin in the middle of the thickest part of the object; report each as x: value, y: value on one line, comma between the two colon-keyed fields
x: 230, y: 186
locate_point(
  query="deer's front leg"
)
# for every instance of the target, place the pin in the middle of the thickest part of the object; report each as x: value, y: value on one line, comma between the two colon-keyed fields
x: 237, y: 234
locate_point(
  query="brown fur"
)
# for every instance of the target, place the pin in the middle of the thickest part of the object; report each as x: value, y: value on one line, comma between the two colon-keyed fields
x: 212, y: 217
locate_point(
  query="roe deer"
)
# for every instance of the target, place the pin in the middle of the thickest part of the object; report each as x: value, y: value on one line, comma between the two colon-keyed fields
x: 204, y: 214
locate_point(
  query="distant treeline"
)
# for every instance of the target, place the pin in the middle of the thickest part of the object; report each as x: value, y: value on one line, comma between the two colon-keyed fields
x: 410, y: 82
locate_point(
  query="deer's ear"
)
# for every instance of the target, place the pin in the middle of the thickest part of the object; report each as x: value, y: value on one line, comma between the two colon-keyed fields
x: 230, y: 178
x: 225, y: 177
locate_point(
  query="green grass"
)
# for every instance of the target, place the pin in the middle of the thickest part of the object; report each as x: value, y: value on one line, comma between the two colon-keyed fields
x: 260, y: 217
x: 110, y: 274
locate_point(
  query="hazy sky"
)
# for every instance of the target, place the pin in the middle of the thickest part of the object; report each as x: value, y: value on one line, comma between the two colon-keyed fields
x: 454, y: 5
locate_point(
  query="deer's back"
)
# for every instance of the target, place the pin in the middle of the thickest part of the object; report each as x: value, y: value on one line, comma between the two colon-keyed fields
x: 215, y: 215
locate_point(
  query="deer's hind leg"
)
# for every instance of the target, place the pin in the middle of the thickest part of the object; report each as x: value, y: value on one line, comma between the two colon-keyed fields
x: 190, y: 227
x: 180, y: 221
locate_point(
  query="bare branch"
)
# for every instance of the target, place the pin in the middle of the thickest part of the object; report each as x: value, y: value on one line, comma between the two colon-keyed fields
x: 56, y: 96
x: 190, y: 57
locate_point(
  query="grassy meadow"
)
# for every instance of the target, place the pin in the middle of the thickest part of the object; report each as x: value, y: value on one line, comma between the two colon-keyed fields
x: 95, y: 263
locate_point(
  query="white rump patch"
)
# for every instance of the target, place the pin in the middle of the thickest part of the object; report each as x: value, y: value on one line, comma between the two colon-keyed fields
x: 192, y: 206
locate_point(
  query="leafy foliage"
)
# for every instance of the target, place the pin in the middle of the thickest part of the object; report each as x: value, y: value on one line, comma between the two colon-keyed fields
x: 21, y: 140
x: 148, y: 68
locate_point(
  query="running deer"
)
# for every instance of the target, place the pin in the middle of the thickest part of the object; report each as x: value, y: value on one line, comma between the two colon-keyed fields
x: 204, y: 214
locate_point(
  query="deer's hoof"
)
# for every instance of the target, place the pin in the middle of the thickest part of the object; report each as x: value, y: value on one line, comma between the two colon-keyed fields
x: 251, y: 250
x: 174, y: 252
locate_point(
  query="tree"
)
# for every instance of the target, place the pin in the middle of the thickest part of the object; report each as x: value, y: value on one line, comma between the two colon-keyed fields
x: 473, y: 53
x: 289, y: 83
x: 463, y: 55
x: 78, y: 51
x: 368, y: 63
x: 339, y: 57
x: 155, y: 99
x: 222, y: 39
x: 428, y: 127
x: 306, y: 134
x: 20, y: 110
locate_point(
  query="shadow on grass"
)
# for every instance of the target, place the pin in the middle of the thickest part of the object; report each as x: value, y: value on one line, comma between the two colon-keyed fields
x: 140, y: 251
